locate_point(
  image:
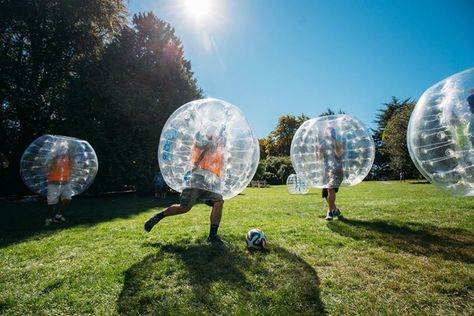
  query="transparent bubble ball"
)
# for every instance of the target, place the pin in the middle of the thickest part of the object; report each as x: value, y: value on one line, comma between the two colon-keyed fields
x: 297, y: 184
x: 440, y: 134
x: 38, y: 158
x: 208, y: 144
x: 332, y: 151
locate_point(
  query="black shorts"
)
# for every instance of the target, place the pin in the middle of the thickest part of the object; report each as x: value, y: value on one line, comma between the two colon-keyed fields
x: 325, y: 192
x: 191, y: 196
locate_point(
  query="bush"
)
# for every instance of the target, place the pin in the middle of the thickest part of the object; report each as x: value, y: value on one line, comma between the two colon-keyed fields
x: 275, y: 170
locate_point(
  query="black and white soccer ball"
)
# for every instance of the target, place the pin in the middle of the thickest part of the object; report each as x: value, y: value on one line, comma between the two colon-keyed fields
x: 255, y: 239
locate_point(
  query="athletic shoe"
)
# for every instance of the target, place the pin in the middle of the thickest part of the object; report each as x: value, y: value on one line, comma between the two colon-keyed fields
x: 329, y: 215
x: 216, y: 238
x: 48, y: 222
x: 59, y: 219
x: 337, y: 213
x: 150, y: 223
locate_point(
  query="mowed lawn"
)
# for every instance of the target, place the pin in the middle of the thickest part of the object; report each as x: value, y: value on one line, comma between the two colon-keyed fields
x: 401, y: 249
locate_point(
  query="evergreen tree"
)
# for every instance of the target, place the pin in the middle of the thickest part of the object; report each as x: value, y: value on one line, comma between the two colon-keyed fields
x: 381, y: 168
x: 126, y: 98
x: 44, y: 44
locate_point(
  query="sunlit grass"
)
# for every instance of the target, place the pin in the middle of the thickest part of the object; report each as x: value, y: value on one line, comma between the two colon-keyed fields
x: 400, y: 249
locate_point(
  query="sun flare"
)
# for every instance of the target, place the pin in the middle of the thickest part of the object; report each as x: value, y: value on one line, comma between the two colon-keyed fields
x: 198, y: 9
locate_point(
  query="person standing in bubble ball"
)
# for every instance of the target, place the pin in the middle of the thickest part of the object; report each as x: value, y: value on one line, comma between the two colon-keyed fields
x: 463, y: 129
x: 206, y: 169
x: 330, y: 150
x: 470, y: 104
x: 59, y: 186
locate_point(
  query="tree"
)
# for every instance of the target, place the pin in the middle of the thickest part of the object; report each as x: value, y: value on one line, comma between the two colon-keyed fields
x: 329, y: 111
x: 278, y: 143
x: 44, y: 44
x: 381, y: 168
x: 394, y: 140
x: 121, y: 104
x: 263, y: 144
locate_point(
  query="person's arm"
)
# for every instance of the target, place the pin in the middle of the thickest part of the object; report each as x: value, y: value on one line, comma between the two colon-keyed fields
x: 338, y: 149
x: 317, y: 151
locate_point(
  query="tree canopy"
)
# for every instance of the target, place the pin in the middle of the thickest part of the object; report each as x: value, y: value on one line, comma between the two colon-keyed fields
x: 278, y: 143
x: 394, y: 138
x: 382, y: 167
x: 76, y: 68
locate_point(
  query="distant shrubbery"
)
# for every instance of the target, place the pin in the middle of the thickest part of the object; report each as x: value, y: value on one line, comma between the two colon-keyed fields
x: 275, y: 170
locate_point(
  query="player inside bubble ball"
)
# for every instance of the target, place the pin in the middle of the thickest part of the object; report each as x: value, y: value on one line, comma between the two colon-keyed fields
x: 59, y: 184
x: 330, y: 151
x: 462, y: 127
x: 204, y: 176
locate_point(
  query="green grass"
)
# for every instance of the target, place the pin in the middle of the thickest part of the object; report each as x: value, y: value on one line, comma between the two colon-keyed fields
x: 401, y: 249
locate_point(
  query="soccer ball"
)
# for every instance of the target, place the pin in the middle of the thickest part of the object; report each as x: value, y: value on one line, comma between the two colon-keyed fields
x: 255, y: 238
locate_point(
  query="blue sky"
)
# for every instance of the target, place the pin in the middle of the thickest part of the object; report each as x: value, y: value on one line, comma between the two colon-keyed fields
x: 272, y: 58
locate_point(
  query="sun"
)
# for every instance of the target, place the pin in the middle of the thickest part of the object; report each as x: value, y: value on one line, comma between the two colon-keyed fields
x: 198, y: 9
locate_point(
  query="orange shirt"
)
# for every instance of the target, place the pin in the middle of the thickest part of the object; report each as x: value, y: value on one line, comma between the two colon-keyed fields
x: 60, y: 171
x: 212, y: 160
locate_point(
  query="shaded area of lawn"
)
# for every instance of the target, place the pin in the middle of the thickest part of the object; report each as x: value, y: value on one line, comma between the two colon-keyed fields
x: 203, y: 279
x: 25, y: 220
x: 420, y: 239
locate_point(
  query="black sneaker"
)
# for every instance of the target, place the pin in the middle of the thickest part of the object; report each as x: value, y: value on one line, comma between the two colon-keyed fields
x: 337, y: 213
x: 216, y: 238
x: 150, y: 223
x: 329, y: 215
x: 59, y: 219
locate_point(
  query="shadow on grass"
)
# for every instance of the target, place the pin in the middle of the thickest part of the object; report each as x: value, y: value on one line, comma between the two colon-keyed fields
x: 419, y: 239
x: 202, y: 279
x: 419, y: 182
x: 25, y: 220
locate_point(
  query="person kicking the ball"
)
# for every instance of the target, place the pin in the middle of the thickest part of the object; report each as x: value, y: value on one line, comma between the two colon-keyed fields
x: 331, y: 150
x: 202, y: 182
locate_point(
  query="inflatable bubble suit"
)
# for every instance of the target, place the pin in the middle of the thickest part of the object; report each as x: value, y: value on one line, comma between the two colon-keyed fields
x: 440, y: 134
x: 39, y: 158
x: 332, y: 151
x: 297, y: 184
x: 208, y: 144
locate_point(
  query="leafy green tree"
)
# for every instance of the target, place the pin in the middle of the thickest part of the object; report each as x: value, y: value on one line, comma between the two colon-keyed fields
x: 263, y: 144
x: 382, y: 167
x: 44, y: 44
x: 278, y: 143
x: 394, y: 140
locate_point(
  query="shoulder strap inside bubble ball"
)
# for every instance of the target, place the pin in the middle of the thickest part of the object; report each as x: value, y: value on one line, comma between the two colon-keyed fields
x: 201, y: 156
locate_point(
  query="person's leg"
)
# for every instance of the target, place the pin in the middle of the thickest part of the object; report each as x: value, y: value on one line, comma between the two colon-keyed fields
x: 58, y: 217
x: 331, y: 199
x: 176, y: 209
x: 66, y: 194
x: 64, y: 203
x: 216, y: 213
x: 53, y: 199
x: 172, y: 210
x: 188, y: 199
x: 215, y: 220
x: 51, y: 213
